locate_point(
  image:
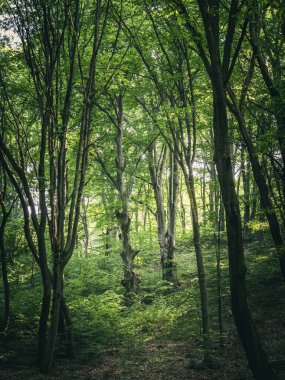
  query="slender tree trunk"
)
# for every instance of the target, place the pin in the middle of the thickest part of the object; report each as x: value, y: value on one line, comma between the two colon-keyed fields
x: 217, y: 237
x: 169, y: 269
x: 182, y: 210
x: 107, y: 242
x: 85, y: 226
x: 246, y: 195
x: 203, y: 196
x: 6, y: 286
x: 260, y: 180
x: 198, y: 251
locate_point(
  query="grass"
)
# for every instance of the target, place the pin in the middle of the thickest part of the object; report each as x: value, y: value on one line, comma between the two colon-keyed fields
x: 159, y: 335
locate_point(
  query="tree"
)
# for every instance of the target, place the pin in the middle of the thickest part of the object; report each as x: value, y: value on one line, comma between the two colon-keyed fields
x: 50, y: 33
x: 219, y: 69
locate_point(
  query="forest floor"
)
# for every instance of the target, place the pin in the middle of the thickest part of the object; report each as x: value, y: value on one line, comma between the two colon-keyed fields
x: 156, y: 338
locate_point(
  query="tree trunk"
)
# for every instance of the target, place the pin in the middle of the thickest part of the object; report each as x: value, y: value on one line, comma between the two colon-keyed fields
x: 217, y: 237
x: 243, y: 320
x: 245, y: 172
x: 169, y: 266
x: 130, y: 279
x: 54, y: 315
x: 165, y: 233
x: 43, y: 323
x: 197, y: 245
x: 107, y: 242
x: 6, y: 287
x: 182, y: 211
x: 68, y: 328
x: 265, y: 200
x: 85, y: 226
x: 218, y: 69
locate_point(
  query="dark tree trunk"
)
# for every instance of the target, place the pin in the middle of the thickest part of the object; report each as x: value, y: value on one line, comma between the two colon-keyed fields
x: 107, y: 242
x: 260, y: 180
x: 6, y: 286
x: 54, y: 315
x: 218, y: 71
x: 43, y: 323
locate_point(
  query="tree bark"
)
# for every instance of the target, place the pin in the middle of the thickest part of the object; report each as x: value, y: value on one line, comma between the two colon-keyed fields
x: 130, y: 279
x: 198, y: 253
x: 260, y: 180
x: 6, y: 286
x: 218, y: 71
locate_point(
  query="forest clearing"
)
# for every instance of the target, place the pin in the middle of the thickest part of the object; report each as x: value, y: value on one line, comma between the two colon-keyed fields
x: 142, y: 187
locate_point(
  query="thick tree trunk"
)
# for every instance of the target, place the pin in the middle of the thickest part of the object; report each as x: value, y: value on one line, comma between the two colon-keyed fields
x: 130, y: 279
x: 218, y: 69
x: 54, y: 316
x: 43, y: 323
x: 243, y: 320
x: 165, y: 231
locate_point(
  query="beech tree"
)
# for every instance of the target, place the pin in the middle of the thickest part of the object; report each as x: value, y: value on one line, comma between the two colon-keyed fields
x: 116, y: 119
x: 54, y: 64
x: 219, y: 68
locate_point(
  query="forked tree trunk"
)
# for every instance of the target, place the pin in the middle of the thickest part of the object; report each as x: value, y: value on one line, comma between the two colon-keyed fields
x: 165, y: 231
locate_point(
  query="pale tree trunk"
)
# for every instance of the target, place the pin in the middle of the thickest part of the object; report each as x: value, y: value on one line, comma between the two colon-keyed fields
x: 182, y: 209
x: 165, y: 231
x: 197, y: 245
x: 169, y: 272
x: 203, y: 195
x: 245, y: 172
x: 130, y: 279
x: 217, y: 237
x: 84, y: 206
